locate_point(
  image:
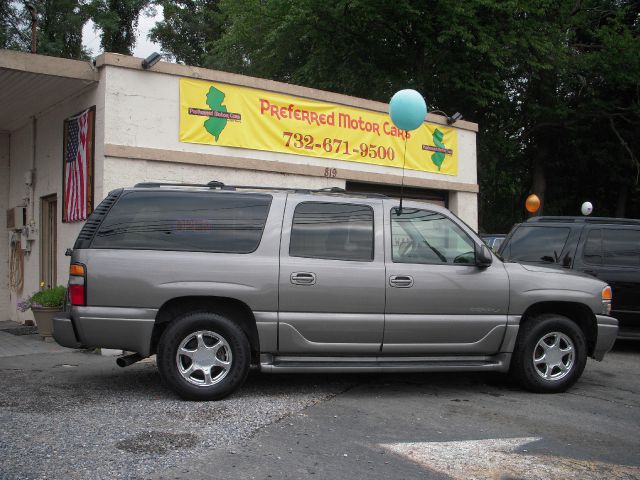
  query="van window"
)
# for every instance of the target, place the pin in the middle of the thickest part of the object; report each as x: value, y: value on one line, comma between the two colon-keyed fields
x: 536, y: 244
x: 185, y: 221
x: 333, y: 231
x: 621, y: 247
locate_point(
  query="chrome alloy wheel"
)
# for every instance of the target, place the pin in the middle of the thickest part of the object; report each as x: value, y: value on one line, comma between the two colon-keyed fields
x: 554, y: 356
x: 204, y: 358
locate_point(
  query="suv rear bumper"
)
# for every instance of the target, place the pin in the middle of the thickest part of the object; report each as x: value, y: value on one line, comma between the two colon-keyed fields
x: 63, y: 332
x: 108, y: 327
x: 607, y: 333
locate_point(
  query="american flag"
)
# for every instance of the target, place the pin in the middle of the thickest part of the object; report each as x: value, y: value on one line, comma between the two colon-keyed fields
x: 77, y: 169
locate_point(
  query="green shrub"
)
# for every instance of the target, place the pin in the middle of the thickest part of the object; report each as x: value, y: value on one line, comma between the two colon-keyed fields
x: 47, y: 298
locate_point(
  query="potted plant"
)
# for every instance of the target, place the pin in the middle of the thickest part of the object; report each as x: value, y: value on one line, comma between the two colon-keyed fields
x: 44, y: 304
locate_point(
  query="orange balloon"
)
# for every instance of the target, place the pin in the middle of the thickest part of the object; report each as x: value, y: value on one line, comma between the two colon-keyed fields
x: 532, y: 203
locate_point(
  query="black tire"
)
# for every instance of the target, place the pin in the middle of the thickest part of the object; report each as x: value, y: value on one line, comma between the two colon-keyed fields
x: 185, y: 327
x: 531, y: 374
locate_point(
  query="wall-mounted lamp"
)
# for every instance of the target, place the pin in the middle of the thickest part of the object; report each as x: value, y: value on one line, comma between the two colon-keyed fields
x: 454, y: 118
x: 151, y: 60
x: 450, y: 119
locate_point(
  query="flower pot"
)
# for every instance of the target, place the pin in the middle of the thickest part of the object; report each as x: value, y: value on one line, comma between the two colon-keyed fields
x: 44, y: 320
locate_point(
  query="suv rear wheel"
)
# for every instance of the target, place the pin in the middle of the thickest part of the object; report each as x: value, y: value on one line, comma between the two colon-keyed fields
x: 203, y: 356
x: 550, y: 354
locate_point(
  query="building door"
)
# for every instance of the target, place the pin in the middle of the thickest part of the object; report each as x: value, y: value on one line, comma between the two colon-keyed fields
x: 49, y: 243
x: 437, y: 197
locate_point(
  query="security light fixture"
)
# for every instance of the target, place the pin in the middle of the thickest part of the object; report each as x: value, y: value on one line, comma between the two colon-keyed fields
x: 450, y: 119
x: 454, y: 118
x: 151, y: 60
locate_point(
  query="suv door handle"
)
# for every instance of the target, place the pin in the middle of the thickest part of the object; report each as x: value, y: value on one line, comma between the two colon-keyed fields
x: 303, y: 278
x: 401, y: 281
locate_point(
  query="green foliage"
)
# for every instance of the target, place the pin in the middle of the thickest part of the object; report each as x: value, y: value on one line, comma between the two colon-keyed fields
x: 47, y: 298
x: 188, y: 29
x: 12, y: 28
x: 118, y: 20
x: 59, y: 31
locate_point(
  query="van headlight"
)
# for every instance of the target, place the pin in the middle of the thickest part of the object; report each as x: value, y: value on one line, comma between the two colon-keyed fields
x: 607, y: 295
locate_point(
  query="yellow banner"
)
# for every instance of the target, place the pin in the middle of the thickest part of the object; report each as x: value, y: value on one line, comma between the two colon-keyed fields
x: 232, y: 116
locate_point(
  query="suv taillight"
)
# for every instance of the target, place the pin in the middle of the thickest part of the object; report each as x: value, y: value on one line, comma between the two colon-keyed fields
x: 77, y: 285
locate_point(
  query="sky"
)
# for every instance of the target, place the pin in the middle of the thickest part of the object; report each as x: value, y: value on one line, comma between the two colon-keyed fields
x: 144, y: 47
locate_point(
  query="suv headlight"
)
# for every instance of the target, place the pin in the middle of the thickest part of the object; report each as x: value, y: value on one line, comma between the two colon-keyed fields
x: 607, y: 295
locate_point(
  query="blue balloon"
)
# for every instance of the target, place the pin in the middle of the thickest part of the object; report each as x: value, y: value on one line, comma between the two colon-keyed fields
x: 407, y: 109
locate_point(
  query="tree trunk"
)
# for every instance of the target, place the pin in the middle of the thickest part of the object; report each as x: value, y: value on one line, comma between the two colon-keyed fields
x: 539, y: 181
x: 621, y: 206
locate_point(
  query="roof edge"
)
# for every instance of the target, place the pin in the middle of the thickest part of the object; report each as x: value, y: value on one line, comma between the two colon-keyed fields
x: 45, y: 65
x: 135, y: 63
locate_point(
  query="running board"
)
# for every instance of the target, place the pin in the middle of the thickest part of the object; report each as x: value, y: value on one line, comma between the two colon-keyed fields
x: 299, y: 364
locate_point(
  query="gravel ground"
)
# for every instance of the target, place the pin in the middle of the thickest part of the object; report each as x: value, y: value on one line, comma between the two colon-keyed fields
x: 76, y: 415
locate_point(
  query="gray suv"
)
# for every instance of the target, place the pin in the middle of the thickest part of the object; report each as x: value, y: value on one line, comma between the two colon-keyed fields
x: 215, y: 279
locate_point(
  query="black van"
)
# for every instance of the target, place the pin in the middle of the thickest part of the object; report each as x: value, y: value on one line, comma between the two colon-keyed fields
x: 607, y: 248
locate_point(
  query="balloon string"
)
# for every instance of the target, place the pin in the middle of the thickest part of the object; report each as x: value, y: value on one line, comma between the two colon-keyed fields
x: 404, y: 161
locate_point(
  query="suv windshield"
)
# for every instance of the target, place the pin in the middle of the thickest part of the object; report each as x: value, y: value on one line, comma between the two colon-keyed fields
x: 536, y: 244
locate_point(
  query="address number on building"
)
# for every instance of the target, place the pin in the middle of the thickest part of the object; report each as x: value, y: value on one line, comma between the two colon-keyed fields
x: 331, y: 172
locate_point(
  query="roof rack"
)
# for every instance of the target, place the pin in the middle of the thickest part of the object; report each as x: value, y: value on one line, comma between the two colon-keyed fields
x: 214, y: 184
x: 576, y: 219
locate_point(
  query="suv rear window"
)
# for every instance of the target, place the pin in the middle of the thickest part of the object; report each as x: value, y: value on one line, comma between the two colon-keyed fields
x: 185, y: 221
x: 621, y: 247
x: 536, y: 244
x: 333, y: 231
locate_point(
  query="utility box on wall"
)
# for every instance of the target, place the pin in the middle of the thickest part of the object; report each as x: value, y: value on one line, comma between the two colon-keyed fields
x: 16, y: 218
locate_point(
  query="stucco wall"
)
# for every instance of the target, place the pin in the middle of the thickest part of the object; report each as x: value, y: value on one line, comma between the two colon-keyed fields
x: 4, y: 245
x: 143, y: 111
x: 465, y: 206
x: 121, y: 172
x: 46, y: 163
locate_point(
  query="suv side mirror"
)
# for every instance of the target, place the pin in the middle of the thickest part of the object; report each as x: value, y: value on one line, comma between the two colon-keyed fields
x: 483, y: 256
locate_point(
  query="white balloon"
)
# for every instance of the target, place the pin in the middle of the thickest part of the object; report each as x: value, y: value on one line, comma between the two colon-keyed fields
x: 586, y: 208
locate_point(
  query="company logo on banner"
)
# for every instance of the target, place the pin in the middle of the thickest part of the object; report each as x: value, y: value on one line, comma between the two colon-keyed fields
x: 232, y: 116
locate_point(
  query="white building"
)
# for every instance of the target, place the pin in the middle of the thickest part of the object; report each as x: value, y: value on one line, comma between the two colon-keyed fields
x: 137, y: 138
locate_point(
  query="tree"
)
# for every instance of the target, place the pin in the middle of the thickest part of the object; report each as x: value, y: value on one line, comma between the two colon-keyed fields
x: 188, y: 29
x: 12, y: 29
x: 59, y: 29
x: 118, y: 21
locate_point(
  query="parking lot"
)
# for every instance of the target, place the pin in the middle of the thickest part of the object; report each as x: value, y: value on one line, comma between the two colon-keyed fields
x: 74, y: 414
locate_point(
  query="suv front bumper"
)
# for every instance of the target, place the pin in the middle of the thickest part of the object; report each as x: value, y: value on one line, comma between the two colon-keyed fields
x: 607, y: 333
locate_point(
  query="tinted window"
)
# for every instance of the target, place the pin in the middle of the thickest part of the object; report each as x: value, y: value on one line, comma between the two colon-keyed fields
x: 189, y: 221
x: 593, y: 247
x: 536, y: 244
x: 621, y: 247
x: 334, y: 231
x: 422, y: 236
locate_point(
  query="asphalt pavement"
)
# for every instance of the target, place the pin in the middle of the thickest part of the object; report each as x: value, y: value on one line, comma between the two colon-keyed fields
x: 74, y: 414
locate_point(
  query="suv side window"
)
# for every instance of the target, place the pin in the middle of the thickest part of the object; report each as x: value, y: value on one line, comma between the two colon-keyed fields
x: 593, y: 247
x: 422, y: 236
x: 185, y: 221
x: 537, y: 244
x: 332, y: 231
x: 621, y: 247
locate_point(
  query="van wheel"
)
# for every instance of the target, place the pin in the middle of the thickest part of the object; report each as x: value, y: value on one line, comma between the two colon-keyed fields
x: 203, y: 356
x: 550, y: 354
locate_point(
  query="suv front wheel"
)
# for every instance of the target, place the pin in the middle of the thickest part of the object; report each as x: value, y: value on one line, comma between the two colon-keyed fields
x: 203, y: 356
x: 550, y: 354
